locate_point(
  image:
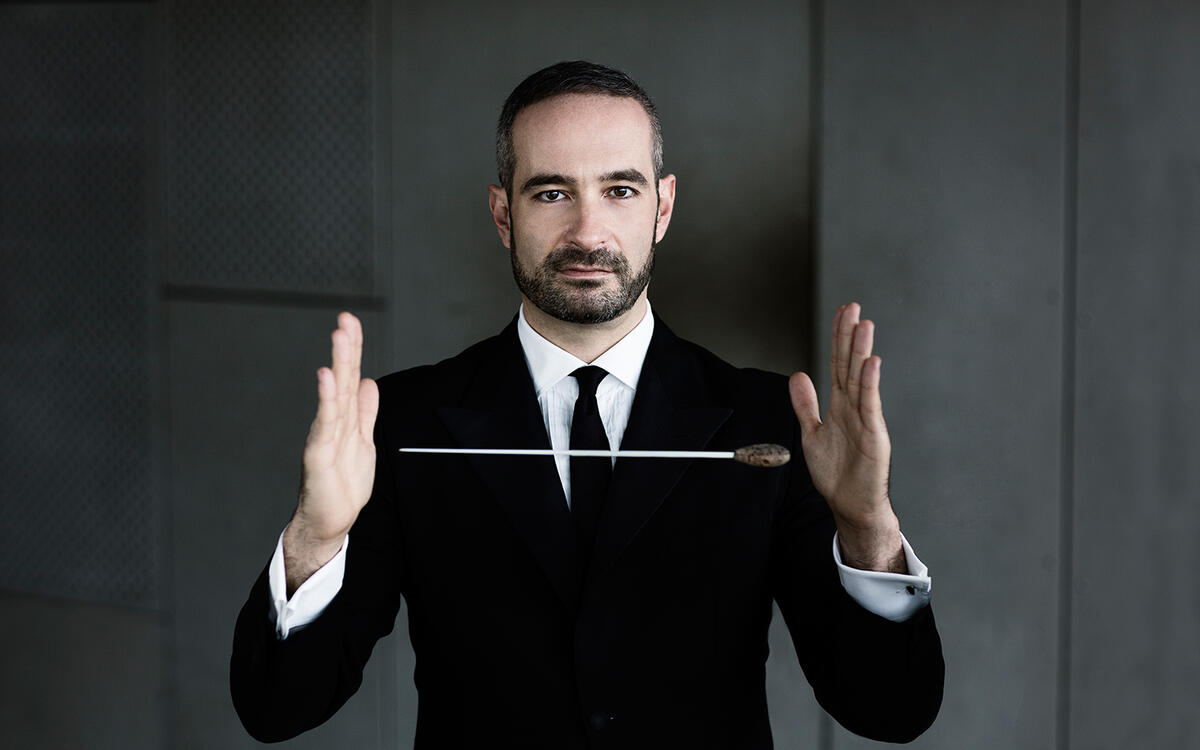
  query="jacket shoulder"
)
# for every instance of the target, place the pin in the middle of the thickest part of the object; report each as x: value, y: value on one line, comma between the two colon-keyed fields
x: 718, y: 381
x: 441, y: 379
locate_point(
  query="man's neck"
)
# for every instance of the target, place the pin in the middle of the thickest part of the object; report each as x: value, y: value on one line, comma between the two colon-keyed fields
x: 587, y: 341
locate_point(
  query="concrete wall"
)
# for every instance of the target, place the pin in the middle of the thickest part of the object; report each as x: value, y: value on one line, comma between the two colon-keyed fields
x: 1134, y: 664
x: 942, y: 211
x: 1011, y: 190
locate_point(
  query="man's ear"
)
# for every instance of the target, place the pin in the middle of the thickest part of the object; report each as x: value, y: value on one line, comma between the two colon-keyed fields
x: 498, y: 201
x: 666, y: 204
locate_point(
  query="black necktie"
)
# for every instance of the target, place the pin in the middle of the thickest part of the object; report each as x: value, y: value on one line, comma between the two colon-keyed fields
x: 589, y: 476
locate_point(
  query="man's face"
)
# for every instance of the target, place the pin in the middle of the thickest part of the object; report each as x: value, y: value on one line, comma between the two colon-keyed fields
x: 585, y: 212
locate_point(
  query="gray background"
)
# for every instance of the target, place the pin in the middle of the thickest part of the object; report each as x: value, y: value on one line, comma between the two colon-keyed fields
x: 189, y: 191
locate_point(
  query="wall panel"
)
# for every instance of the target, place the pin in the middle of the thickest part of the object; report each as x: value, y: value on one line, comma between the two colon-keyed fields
x: 80, y: 513
x: 269, y: 150
x: 941, y: 198
x: 269, y: 131
x: 1135, y: 678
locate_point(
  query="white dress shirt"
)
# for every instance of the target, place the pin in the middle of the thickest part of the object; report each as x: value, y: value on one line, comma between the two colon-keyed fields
x: 551, y: 368
x: 892, y: 595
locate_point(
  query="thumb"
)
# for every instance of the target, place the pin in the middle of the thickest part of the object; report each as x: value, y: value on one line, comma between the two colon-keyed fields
x: 804, y: 402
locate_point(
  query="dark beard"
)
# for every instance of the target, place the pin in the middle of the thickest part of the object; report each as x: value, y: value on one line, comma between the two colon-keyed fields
x: 581, y: 300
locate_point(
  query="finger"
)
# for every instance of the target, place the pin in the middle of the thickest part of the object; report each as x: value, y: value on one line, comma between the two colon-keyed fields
x: 368, y: 407
x: 804, y: 403
x: 872, y: 404
x: 324, y: 425
x: 341, y: 370
x: 345, y: 365
x: 841, y: 343
x: 353, y: 326
x: 833, y: 366
x: 860, y: 350
x: 350, y: 357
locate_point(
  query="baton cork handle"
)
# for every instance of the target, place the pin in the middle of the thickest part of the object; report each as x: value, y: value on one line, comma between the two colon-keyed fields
x: 763, y: 455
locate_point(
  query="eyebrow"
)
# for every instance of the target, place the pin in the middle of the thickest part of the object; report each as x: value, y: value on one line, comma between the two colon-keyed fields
x: 626, y: 175
x: 551, y: 178
x: 546, y: 178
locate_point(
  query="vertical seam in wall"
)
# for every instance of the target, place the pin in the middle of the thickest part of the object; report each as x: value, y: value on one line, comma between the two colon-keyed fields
x: 816, y: 99
x: 1067, y: 447
x: 816, y: 92
x: 158, y: 206
x: 379, y: 67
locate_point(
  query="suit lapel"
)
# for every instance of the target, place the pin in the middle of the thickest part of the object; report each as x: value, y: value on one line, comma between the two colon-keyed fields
x: 500, y: 410
x: 667, y: 414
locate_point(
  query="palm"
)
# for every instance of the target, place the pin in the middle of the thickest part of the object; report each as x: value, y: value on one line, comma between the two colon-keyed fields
x: 848, y: 454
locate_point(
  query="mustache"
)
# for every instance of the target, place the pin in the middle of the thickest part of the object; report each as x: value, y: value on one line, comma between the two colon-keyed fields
x: 573, y: 255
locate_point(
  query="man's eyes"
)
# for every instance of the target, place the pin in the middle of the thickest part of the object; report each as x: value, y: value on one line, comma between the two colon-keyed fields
x: 620, y: 192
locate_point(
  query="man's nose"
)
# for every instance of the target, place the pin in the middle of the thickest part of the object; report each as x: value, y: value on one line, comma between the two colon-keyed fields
x: 589, y: 225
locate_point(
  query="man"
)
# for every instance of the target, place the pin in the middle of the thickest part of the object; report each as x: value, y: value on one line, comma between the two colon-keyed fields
x: 570, y: 603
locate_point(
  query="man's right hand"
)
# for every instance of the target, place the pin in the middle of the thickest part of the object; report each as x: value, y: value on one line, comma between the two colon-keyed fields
x: 339, y: 459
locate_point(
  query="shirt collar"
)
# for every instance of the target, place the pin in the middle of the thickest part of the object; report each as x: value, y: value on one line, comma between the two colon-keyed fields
x: 548, y: 364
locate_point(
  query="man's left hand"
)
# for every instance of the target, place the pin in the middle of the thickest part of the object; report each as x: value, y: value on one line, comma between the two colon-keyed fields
x: 849, y: 454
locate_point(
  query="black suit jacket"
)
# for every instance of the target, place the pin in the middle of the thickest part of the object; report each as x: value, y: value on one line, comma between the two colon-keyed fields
x: 661, y: 643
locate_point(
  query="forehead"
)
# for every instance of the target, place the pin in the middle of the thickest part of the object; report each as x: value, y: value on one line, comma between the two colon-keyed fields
x: 582, y: 134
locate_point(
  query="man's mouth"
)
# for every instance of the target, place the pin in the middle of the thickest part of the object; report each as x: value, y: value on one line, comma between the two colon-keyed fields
x: 585, y: 272
x: 593, y: 266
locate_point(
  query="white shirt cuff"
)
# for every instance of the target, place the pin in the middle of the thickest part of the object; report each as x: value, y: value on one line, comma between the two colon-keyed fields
x: 894, y: 596
x: 313, y: 596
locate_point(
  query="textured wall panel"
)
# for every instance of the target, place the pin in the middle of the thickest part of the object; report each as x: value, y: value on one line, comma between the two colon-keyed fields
x: 269, y: 144
x: 79, y: 518
x: 1135, y: 659
x: 941, y: 211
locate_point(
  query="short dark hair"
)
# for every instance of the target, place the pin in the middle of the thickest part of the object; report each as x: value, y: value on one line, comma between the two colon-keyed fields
x: 575, y: 77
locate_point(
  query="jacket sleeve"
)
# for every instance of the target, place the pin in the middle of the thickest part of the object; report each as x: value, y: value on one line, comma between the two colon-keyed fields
x: 879, y: 679
x: 281, y: 688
